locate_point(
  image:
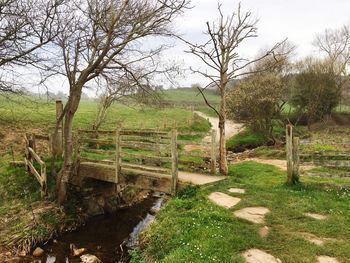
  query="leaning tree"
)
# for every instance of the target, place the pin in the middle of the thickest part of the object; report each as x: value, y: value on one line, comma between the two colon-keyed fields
x: 101, y: 37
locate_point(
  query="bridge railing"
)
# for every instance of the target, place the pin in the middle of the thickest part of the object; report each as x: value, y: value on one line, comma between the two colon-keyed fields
x: 146, y: 152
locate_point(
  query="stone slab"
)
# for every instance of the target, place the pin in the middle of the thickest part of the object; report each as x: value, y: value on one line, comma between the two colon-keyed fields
x: 224, y: 200
x: 316, y: 216
x: 252, y: 214
x: 259, y: 256
x: 326, y: 259
x: 237, y: 190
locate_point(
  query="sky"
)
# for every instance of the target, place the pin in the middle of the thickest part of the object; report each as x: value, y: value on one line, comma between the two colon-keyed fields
x: 297, y: 20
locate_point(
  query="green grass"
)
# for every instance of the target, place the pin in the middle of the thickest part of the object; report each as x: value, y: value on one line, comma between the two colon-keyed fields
x: 204, y: 232
x: 245, y: 138
x: 189, y: 95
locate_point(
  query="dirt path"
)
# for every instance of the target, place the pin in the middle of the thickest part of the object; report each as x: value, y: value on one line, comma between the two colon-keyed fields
x: 231, y: 128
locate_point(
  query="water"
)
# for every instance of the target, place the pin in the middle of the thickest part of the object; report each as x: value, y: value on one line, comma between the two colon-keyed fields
x: 108, y: 237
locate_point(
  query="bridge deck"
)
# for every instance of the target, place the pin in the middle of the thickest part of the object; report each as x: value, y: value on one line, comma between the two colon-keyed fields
x: 141, y: 176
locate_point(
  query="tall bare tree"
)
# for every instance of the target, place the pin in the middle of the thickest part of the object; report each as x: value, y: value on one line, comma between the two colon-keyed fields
x: 220, y: 54
x: 104, y: 36
x: 25, y: 27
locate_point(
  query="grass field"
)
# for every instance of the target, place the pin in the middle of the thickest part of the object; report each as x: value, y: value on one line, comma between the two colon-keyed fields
x: 204, y: 232
x: 178, y: 95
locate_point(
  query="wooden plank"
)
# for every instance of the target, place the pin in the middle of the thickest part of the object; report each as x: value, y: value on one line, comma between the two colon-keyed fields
x: 41, y: 137
x: 84, y: 159
x: 195, y: 133
x: 188, y: 142
x: 327, y: 163
x: 146, y: 146
x: 199, y: 154
x: 88, y: 140
x: 97, y: 151
x: 205, y: 165
x: 154, y: 169
x: 118, y: 150
x: 289, y: 152
x: 36, y: 174
x: 97, y: 171
x: 36, y: 156
x: 174, y: 161
x: 108, y: 132
x: 144, y: 132
x: 325, y: 154
x: 326, y: 174
x: 146, y: 157
x: 145, y: 139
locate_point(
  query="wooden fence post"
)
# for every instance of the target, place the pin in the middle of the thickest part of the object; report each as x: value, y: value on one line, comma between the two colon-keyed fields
x: 213, y: 151
x: 289, y: 153
x: 174, y: 159
x: 175, y: 124
x: 59, y: 138
x: 43, y: 190
x: 296, y: 160
x: 118, y: 150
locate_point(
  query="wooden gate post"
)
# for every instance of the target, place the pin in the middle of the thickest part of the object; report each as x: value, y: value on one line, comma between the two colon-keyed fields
x: 59, y: 138
x: 174, y: 160
x: 118, y: 150
x: 289, y: 153
x: 213, y: 151
x: 296, y: 160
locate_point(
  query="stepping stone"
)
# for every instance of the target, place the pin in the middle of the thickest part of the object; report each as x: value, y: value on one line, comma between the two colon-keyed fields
x: 224, y: 200
x: 315, y: 240
x: 259, y: 256
x: 315, y: 216
x: 237, y: 190
x: 252, y: 214
x: 326, y: 259
x: 263, y: 231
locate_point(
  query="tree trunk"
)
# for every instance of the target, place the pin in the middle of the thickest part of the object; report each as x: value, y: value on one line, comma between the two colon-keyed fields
x: 66, y: 171
x: 222, y: 119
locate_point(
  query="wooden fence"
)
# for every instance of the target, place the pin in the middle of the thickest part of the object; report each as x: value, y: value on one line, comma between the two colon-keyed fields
x: 31, y: 156
x: 328, y: 153
x: 131, y: 152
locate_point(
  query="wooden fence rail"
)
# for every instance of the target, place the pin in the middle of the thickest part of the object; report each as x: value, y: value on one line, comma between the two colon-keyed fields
x: 297, y: 156
x: 30, y: 157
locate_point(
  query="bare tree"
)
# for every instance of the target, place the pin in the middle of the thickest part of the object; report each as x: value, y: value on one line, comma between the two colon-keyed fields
x: 220, y: 54
x: 335, y: 43
x: 25, y: 27
x: 103, y: 37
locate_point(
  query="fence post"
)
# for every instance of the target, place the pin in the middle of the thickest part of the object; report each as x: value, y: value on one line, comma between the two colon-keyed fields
x: 118, y: 149
x: 174, y: 160
x: 164, y: 122
x: 59, y: 137
x: 175, y: 124
x: 213, y: 151
x: 296, y: 160
x: 43, y: 190
x: 289, y: 153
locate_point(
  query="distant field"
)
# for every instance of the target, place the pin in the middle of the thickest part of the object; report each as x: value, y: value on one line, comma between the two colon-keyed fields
x: 41, y: 113
x: 179, y: 95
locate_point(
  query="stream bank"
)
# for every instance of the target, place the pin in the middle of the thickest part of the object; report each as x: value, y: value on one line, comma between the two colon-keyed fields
x: 107, y: 236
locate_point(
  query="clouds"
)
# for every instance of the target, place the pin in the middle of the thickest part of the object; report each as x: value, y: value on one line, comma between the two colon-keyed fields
x: 297, y: 20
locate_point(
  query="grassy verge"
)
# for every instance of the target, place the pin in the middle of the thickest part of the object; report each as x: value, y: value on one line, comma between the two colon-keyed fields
x: 246, y: 139
x: 203, y: 232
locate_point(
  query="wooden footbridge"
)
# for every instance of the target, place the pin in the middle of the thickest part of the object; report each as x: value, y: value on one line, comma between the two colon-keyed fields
x: 147, y: 159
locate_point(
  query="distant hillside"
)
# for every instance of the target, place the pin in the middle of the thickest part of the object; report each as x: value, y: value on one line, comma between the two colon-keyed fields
x: 189, y: 95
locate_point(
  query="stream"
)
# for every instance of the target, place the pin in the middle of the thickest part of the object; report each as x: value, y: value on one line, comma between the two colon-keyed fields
x: 108, y: 237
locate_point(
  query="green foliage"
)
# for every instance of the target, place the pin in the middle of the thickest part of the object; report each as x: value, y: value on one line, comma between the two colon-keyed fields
x: 316, y: 91
x: 188, y: 192
x: 256, y: 102
x: 245, y: 139
x: 48, y: 217
x: 136, y: 256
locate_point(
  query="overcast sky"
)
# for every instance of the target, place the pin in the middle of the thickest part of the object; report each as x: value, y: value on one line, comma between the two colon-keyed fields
x: 297, y: 20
